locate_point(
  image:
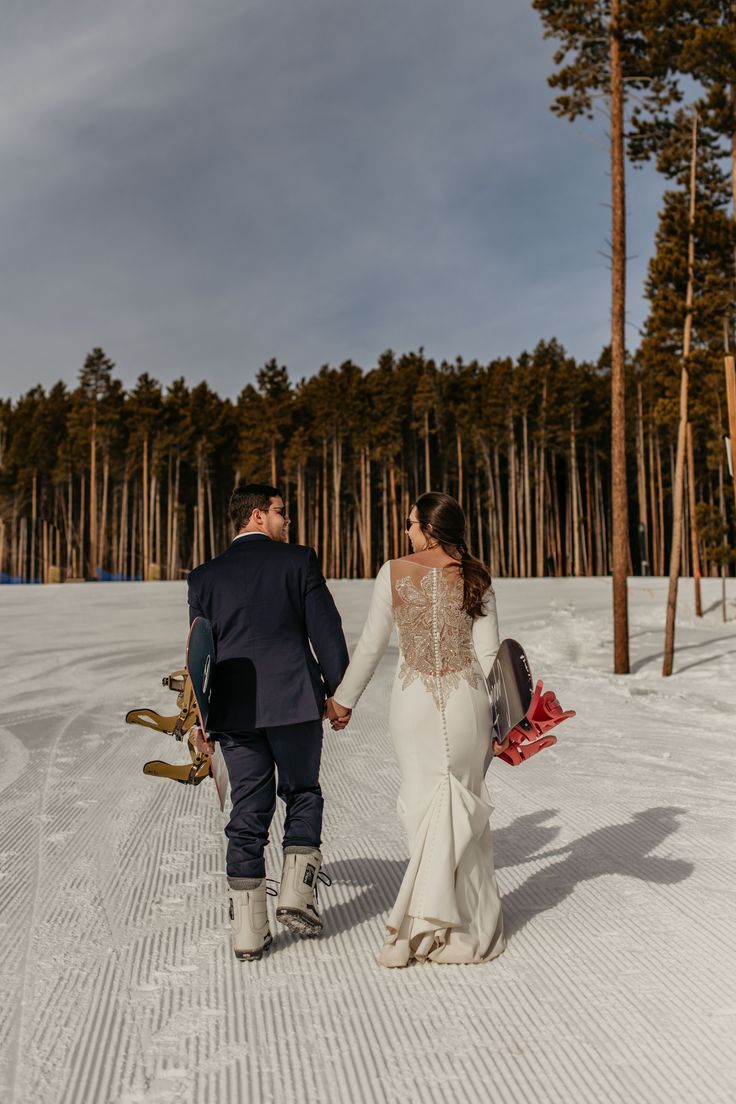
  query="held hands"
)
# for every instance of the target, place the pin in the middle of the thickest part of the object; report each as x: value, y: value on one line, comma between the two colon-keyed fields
x: 338, y: 715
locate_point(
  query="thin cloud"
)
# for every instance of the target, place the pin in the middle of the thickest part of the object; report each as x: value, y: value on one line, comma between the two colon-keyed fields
x: 200, y: 187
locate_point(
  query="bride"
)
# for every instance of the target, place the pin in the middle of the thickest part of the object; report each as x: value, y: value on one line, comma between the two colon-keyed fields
x: 441, y: 600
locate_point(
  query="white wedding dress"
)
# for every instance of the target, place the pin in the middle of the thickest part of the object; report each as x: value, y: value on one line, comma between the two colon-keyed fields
x: 448, y: 908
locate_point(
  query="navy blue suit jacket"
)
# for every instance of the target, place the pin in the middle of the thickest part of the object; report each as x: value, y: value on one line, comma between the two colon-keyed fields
x: 267, y: 602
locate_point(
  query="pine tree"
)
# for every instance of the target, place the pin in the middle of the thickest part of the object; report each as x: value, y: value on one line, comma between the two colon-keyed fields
x: 616, y: 51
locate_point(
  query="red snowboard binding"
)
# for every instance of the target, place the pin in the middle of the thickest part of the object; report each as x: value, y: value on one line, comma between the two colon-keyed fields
x: 531, y: 734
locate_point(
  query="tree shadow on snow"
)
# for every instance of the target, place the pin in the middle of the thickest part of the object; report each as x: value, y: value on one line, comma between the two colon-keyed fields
x: 655, y: 657
x: 622, y: 849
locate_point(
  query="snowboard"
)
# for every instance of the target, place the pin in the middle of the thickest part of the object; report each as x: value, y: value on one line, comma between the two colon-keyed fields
x: 520, y: 709
x: 192, y: 684
x: 200, y: 665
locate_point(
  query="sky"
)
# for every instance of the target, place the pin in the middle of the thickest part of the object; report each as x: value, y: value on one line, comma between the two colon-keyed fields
x: 198, y: 186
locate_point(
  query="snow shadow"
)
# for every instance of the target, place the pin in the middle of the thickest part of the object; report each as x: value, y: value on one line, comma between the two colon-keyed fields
x: 656, y: 657
x: 623, y: 849
x: 375, y: 880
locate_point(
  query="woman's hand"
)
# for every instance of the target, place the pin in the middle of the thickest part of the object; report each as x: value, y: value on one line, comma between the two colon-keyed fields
x: 500, y: 747
x: 338, y: 715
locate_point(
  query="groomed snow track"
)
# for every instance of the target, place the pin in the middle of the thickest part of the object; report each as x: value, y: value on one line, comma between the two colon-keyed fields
x: 615, y: 854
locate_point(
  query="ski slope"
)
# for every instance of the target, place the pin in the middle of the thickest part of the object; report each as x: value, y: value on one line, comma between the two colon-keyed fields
x: 615, y: 853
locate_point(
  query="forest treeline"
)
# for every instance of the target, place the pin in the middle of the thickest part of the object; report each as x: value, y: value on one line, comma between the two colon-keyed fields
x: 99, y: 482
x: 564, y: 467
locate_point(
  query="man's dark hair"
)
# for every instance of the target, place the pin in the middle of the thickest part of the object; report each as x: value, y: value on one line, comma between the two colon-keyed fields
x: 248, y: 497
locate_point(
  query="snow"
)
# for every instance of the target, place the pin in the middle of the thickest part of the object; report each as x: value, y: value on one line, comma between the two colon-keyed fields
x: 615, y: 852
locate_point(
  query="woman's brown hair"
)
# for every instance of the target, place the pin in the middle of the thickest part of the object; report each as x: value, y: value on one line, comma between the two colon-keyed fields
x: 441, y: 518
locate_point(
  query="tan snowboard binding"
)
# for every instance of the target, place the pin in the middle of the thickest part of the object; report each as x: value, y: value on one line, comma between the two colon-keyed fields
x: 179, y: 726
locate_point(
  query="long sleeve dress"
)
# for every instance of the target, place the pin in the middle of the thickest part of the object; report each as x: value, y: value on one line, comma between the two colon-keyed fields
x: 448, y: 907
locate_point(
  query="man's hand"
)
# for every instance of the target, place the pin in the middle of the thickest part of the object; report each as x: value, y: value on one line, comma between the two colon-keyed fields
x: 338, y: 715
x: 204, y: 747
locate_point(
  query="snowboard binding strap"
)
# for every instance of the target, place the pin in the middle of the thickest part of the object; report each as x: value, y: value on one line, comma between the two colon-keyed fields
x: 178, y: 726
x: 532, y: 734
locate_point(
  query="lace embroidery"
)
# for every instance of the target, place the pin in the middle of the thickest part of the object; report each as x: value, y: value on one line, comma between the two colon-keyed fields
x: 423, y: 624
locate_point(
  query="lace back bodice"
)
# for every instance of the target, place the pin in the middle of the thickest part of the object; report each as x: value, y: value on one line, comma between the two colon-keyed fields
x: 435, y: 632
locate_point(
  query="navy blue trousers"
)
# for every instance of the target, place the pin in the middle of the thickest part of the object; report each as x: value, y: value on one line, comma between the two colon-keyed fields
x: 253, y: 760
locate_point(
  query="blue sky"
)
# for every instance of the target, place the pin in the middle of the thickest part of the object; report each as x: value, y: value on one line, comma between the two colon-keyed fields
x: 200, y: 186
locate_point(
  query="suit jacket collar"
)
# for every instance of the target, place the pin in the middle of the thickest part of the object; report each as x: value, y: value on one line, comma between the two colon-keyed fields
x: 246, y: 539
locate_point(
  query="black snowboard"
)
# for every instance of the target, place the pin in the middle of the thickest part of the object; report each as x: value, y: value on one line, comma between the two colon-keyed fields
x: 200, y: 665
x: 511, y: 688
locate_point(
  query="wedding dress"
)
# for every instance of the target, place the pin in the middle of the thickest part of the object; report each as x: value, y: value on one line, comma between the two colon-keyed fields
x: 448, y: 908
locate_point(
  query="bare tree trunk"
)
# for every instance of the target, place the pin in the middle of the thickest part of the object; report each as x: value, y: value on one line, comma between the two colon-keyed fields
x: 513, y: 534
x: 540, y: 483
x: 641, y: 480
x: 175, y: 558
x: 459, y: 444
x: 82, y: 521
x: 575, y: 516
x: 102, y: 541
x: 724, y: 569
x: 133, y: 532
x: 69, y: 522
x: 211, y: 516
x: 144, y: 487
x: 301, y: 505
x: 23, y: 550
x: 678, y: 489
x: 337, y: 497
x: 589, y: 568
x: 122, y: 555
x: 384, y: 514
x: 14, y: 540
x: 656, y: 567
x: 368, y: 516
x: 597, y: 519
x: 619, y: 498
x: 499, y: 510
x: 693, y: 524
x: 34, y: 525
x: 44, y: 551
x: 93, y: 531
x: 427, y: 473
x: 660, y: 502
x: 730, y: 363
x: 394, y: 509
x: 527, y: 499
x: 326, y: 546
x: 200, y: 557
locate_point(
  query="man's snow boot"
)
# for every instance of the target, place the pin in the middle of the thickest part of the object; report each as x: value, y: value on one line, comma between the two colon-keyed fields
x: 296, y: 908
x: 249, y: 921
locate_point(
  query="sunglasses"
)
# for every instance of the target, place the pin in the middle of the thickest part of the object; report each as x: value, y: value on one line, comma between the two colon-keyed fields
x: 409, y: 524
x: 279, y: 510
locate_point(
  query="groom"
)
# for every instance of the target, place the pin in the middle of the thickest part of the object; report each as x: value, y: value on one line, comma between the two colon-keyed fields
x: 268, y: 602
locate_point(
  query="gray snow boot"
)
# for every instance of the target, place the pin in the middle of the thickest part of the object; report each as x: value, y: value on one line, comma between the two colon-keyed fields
x: 296, y: 908
x: 249, y: 920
